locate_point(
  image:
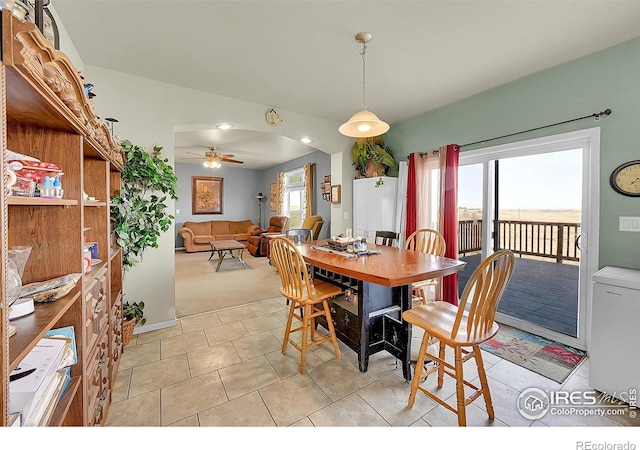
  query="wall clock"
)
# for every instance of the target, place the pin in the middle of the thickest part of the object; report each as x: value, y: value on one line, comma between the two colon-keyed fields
x: 625, y: 179
x: 273, y: 118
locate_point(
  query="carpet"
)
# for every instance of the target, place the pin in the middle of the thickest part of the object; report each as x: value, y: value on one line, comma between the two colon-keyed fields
x: 547, y: 358
x: 199, y: 288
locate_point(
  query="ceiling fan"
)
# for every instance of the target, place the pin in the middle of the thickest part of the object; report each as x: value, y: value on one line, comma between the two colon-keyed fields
x: 214, y: 159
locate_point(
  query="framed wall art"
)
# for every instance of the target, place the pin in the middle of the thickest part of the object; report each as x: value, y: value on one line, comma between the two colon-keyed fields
x: 335, y: 193
x: 206, y: 195
x: 273, y: 197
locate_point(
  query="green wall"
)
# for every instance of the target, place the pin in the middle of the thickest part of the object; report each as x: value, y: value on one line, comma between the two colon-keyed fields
x: 591, y: 84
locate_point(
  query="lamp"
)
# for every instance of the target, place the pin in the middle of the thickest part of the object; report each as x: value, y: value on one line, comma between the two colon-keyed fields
x: 260, y: 197
x: 212, y: 164
x: 364, y: 123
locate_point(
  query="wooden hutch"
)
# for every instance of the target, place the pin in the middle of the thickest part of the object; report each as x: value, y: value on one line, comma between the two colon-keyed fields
x: 46, y: 114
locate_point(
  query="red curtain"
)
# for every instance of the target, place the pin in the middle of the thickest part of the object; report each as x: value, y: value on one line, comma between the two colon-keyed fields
x: 410, y: 225
x: 450, y: 226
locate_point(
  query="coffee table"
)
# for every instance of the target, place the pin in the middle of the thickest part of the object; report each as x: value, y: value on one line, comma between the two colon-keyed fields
x: 226, y: 247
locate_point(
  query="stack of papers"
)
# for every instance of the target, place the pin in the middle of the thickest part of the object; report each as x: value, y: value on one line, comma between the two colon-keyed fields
x: 36, y: 383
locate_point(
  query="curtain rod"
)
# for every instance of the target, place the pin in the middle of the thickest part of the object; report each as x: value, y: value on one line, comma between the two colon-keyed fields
x: 606, y: 112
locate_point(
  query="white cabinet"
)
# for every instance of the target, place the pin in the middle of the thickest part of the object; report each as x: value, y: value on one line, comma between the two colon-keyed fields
x: 374, y: 205
x: 614, y: 366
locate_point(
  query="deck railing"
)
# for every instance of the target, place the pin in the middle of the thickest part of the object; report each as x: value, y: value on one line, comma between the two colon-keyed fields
x: 541, y: 239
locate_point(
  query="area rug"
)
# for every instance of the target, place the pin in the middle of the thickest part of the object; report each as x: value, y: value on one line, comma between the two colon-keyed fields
x: 199, y: 288
x: 547, y: 358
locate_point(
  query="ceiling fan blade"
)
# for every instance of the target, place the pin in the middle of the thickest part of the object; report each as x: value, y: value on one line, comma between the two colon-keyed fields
x: 232, y: 161
x: 193, y: 158
x: 197, y: 154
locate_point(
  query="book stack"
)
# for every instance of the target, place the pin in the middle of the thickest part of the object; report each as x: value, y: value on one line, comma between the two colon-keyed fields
x: 36, y: 385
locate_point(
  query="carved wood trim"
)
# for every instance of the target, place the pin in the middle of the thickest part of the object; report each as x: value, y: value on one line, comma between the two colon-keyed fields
x: 50, y: 71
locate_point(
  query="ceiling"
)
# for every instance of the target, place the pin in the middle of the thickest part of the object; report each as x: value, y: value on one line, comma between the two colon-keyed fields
x: 302, y: 56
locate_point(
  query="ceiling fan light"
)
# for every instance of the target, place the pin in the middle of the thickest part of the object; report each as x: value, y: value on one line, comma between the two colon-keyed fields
x: 362, y: 124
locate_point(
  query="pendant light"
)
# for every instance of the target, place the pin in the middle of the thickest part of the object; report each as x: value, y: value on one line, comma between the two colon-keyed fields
x: 364, y: 123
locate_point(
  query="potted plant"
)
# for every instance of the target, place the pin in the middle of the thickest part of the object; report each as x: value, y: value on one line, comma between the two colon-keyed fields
x: 371, y: 157
x: 139, y: 213
x: 132, y: 314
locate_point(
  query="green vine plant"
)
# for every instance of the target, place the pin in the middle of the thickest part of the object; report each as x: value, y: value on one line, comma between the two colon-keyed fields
x: 372, y: 150
x: 139, y: 214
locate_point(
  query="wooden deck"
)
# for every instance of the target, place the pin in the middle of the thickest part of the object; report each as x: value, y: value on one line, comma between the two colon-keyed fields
x: 543, y: 293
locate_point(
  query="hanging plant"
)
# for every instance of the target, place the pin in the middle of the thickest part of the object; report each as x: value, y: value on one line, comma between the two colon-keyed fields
x: 139, y: 214
x: 371, y: 157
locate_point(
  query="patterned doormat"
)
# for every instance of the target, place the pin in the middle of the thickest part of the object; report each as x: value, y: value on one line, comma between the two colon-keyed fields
x: 547, y: 358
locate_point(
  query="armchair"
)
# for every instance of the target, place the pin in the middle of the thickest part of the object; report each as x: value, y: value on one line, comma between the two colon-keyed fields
x: 314, y: 223
x: 257, y: 245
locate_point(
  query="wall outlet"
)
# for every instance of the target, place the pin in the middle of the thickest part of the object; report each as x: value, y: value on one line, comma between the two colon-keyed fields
x: 630, y: 224
x: 177, y: 211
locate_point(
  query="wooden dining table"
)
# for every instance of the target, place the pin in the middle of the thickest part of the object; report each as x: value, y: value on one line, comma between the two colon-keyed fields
x: 378, y: 286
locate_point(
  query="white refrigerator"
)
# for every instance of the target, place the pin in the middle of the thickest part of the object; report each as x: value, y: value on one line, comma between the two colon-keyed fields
x: 614, y: 352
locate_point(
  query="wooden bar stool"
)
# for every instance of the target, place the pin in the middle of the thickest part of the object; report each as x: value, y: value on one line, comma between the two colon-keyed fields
x: 463, y: 328
x: 305, y: 293
x: 428, y: 241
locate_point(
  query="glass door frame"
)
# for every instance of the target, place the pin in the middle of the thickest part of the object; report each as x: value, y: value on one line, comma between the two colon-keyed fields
x: 589, y: 141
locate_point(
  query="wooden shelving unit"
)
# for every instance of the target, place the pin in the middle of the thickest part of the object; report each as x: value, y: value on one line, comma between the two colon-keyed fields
x: 45, y: 114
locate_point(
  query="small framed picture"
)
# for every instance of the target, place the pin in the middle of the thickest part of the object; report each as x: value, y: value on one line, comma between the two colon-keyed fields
x: 273, y: 197
x: 335, y: 193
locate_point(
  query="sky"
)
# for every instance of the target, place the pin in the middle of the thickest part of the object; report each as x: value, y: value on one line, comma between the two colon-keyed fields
x: 545, y: 181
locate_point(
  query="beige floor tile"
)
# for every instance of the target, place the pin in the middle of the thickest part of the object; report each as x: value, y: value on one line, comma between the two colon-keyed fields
x: 199, y: 322
x: 140, y: 411
x: 158, y: 374
x: 286, y: 364
x: 140, y: 354
x: 189, y: 397
x: 351, y: 379
x: 518, y: 377
x: 151, y: 336
x: 235, y: 314
x: 266, y: 307
x: 389, y: 397
x: 246, y: 411
x: 476, y: 417
x: 350, y: 411
x: 225, y: 333
x: 505, y: 403
x: 293, y: 398
x: 186, y: 422
x: 259, y: 324
x: 178, y: 345
x: 121, y: 388
x: 304, y: 422
x: 583, y: 369
x: 212, y: 358
x: 247, y: 376
x: 258, y: 344
x: 213, y: 386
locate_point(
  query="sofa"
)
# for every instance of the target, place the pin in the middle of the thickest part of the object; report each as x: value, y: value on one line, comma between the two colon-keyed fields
x: 197, y: 235
x: 257, y: 243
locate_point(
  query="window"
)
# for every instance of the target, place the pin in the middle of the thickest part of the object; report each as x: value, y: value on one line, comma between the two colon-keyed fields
x: 294, y: 197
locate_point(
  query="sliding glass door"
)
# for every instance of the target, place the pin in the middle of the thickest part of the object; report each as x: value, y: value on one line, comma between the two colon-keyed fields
x: 536, y: 198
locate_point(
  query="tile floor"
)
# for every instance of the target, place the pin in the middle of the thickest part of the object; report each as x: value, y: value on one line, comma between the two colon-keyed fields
x: 225, y: 369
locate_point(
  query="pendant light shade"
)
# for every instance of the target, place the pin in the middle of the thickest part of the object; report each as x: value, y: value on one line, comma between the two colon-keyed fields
x: 364, y: 123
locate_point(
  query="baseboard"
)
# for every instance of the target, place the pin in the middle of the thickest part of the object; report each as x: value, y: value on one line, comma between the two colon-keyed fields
x: 155, y: 326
